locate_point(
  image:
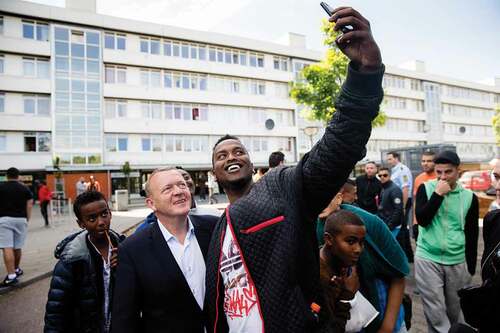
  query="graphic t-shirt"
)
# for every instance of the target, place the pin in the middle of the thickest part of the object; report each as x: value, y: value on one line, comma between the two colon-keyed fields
x: 240, y: 297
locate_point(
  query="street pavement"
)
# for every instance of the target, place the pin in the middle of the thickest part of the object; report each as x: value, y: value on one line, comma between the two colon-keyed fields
x: 22, y: 309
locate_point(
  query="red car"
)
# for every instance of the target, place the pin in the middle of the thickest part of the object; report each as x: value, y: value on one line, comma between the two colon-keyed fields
x: 476, y: 180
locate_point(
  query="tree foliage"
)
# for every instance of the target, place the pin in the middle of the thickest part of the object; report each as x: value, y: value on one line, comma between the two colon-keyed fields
x: 496, y: 124
x: 321, y: 82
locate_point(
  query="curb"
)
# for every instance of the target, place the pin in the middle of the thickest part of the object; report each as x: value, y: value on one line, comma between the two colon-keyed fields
x: 43, y: 275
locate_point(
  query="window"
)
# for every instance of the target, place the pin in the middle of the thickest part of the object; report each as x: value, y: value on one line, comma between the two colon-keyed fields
x: 280, y: 63
x: 146, y: 144
x: 110, y: 143
x: 115, y: 74
x: 167, y: 48
x: 154, y: 46
x: 1, y: 64
x: 116, y: 108
x: 253, y: 60
x: 115, y: 41
x: 29, y: 104
x: 169, y: 143
x: 167, y: 80
x: 243, y: 58
x: 1, y: 25
x: 36, y: 67
x: 122, y: 143
x: 185, y: 51
x: 202, y: 52
x: 212, y: 54
x: 260, y: 60
x: 194, y: 51
x: 35, y: 30
x: 150, y: 78
x: 28, y: 66
x: 36, y: 142
x: 144, y: 45
x: 2, y: 102
x: 151, y: 143
x: 227, y: 56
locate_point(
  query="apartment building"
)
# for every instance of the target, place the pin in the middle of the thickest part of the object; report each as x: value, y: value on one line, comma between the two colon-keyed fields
x: 423, y: 108
x: 96, y: 91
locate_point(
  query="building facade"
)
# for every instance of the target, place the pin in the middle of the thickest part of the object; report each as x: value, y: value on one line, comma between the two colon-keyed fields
x: 423, y: 108
x: 96, y: 91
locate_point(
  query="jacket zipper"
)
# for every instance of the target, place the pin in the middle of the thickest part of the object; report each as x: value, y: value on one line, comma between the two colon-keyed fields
x: 250, y: 279
x: 218, y: 280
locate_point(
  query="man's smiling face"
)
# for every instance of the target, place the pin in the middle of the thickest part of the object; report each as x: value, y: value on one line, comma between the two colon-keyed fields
x: 231, y: 164
x: 169, y: 194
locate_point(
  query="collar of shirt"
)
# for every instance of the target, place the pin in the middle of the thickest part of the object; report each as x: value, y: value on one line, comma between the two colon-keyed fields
x: 171, y: 238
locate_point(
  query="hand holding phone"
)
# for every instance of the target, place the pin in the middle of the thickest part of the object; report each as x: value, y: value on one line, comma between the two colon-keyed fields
x: 329, y: 11
x: 356, y: 40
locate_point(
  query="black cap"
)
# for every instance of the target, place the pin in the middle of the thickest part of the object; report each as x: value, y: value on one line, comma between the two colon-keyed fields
x: 447, y: 156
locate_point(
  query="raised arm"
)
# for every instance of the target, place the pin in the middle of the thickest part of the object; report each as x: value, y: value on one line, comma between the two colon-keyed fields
x: 328, y: 164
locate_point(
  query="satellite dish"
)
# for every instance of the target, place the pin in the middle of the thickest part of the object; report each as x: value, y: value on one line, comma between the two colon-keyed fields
x: 269, y: 124
x: 462, y: 129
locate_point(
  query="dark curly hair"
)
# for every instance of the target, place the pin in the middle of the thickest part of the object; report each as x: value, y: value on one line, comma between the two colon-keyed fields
x: 84, y: 199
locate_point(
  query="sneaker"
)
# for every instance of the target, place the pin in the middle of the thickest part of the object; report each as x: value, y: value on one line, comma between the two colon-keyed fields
x: 8, y: 282
x: 19, y: 272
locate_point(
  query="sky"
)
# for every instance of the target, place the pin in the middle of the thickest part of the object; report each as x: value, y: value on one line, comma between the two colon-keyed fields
x: 455, y: 38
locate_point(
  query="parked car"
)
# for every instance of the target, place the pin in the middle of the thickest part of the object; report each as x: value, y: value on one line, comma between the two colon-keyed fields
x: 479, y: 180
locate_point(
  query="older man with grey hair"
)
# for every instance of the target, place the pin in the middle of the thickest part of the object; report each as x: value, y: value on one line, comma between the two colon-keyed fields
x: 160, y: 280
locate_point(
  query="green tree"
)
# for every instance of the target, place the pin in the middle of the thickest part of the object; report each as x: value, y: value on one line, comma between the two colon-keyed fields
x: 126, y: 169
x: 320, y: 83
x: 496, y: 124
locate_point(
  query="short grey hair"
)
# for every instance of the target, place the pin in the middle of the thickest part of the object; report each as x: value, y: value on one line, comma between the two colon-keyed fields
x: 147, y: 188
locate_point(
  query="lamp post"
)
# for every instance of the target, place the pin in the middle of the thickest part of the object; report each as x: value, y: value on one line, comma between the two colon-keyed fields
x: 311, y: 131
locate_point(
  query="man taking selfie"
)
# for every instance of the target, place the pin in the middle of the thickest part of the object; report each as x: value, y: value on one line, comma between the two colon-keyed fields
x: 263, y: 265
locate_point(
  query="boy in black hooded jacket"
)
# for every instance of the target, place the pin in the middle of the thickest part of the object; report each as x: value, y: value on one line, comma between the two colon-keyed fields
x: 82, y: 281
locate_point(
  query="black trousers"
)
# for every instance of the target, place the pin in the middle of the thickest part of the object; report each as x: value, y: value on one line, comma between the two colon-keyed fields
x: 43, y: 209
x: 404, y: 234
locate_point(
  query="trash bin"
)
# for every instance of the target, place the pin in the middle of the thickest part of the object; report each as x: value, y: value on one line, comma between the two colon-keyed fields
x: 121, y: 200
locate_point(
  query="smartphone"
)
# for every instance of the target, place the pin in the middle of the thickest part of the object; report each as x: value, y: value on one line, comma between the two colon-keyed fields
x: 329, y: 11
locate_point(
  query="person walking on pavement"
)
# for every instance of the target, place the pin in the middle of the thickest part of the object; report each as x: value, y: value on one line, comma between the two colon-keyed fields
x: 16, y: 203
x: 428, y: 173
x: 402, y: 177
x: 390, y: 207
x: 446, y: 254
x: 263, y: 264
x: 369, y: 188
x: 81, y: 186
x: 93, y: 185
x: 212, y: 188
x: 44, y: 197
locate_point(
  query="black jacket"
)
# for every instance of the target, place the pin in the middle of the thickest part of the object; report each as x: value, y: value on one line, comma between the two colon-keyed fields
x: 151, y: 293
x: 390, y: 207
x: 368, y: 189
x: 75, y: 300
x: 274, y: 224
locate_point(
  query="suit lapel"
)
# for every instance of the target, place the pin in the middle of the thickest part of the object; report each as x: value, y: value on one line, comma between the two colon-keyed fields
x: 162, y: 252
x: 202, y: 235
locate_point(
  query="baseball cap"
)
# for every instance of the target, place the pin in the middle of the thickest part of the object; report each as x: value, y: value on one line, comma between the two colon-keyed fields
x: 447, y: 156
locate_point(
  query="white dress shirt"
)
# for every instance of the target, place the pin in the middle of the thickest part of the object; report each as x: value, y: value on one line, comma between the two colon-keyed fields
x: 189, y: 259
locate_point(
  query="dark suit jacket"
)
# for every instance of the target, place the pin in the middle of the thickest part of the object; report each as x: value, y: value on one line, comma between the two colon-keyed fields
x: 151, y: 293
